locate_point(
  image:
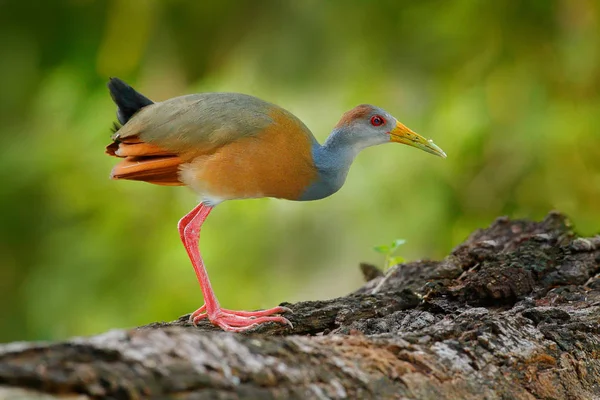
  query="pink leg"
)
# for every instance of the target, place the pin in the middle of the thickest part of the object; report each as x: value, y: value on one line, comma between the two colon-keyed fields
x: 229, y: 320
x: 183, y: 222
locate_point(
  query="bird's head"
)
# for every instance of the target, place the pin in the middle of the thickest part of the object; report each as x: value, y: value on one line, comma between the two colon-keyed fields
x: 367, y: 125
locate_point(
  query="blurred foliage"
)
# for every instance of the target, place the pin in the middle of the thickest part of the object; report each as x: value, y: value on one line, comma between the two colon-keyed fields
x: 509, y: 89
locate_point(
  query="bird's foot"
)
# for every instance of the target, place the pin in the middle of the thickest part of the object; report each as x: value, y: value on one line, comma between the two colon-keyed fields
x: 237, y: 321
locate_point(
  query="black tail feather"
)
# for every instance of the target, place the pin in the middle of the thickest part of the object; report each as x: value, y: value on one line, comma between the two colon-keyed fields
x: 127, y: 99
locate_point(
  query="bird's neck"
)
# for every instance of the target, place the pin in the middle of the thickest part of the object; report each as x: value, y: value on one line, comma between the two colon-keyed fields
x: 332, y: 160
x: 338, y: 152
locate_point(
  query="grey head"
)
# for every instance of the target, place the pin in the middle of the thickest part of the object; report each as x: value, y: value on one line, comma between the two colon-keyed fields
x: 363, y: 126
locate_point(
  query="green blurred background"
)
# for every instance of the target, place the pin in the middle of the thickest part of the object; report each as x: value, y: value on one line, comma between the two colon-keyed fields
x: 509, y: 89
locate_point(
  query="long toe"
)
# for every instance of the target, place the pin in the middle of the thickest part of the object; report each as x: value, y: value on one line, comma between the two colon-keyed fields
x: 198, y: 315
x: 259, y: 313
x: 198, y: 318
x: 238, y: 321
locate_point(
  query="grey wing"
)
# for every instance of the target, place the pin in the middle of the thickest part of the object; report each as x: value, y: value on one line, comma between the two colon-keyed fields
x: 198, y: 121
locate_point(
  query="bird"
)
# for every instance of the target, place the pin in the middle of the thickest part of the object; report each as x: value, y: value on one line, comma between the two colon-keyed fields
x: 228, y: 146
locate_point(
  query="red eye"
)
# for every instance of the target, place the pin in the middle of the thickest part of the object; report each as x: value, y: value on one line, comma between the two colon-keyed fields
x: 377, y: 120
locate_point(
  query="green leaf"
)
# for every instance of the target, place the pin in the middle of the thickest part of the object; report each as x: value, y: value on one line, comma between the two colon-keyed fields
x: 397, y: 243
x: 383, y: 249
x: 395, y: 260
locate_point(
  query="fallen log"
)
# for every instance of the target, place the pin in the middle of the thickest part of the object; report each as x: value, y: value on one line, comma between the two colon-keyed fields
x: 512, y: 313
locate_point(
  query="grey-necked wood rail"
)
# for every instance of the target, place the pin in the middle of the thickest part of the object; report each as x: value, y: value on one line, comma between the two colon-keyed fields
x: 227, y: 146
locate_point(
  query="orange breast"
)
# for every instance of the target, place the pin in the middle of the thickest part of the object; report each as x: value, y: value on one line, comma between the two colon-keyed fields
x: 275, y: 163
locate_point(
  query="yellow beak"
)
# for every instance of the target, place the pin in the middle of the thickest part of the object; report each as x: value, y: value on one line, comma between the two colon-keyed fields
x: 401, y: 134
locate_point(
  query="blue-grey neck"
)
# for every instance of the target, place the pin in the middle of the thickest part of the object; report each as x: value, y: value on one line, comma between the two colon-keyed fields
x: 333, y: 160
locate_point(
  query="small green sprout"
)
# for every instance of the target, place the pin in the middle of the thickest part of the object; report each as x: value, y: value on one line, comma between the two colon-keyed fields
x: 388, y: 251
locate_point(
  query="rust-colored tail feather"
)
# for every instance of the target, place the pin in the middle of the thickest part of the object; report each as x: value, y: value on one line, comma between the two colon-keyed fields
x: 144, y: 162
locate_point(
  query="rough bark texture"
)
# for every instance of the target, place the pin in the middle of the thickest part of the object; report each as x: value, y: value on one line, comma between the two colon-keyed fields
x: 512, y: 313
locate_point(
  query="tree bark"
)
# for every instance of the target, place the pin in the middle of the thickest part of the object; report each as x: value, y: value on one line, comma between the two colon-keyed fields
x: 512, y: 313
